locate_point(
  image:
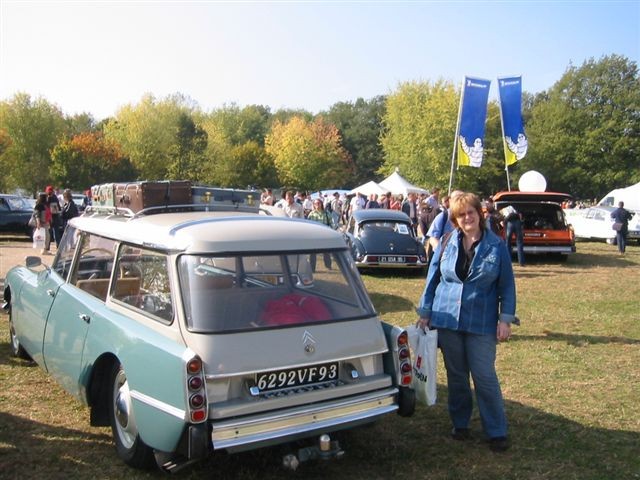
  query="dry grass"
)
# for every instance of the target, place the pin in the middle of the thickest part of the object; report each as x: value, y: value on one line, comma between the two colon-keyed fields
x: 570, y: 377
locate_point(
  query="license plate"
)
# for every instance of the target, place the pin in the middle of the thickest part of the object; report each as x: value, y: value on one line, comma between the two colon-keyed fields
x: 391, y: 259
x: 296, y: 377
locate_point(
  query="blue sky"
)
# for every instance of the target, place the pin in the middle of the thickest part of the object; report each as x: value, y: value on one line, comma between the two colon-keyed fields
x: 98, y: 56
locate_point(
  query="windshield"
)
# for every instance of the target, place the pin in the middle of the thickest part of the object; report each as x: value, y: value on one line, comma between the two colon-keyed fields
x: 232, y: 293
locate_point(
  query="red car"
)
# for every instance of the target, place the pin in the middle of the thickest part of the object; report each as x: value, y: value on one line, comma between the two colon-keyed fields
x: 545, y: 227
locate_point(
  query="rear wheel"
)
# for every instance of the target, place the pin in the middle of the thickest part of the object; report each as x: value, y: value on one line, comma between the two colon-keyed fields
x: 130, y: 447
x: 16, y: 348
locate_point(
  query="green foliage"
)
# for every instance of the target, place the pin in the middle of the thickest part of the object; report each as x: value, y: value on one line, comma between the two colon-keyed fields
x: 584, y: 133
x: 420, y: 125
x: 360, y: 125
x: 33, y: 128
x: 308, y: 154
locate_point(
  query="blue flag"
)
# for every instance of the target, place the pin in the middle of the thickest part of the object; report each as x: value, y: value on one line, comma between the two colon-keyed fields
x: 473, y: 113
x: 515, y: 140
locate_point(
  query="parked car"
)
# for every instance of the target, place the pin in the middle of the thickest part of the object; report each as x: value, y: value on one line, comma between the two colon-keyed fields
x: 596, y: 223
x: 545, y: 227
x: 381, y: 238
x: 192, y: 332
x: 15, y: 213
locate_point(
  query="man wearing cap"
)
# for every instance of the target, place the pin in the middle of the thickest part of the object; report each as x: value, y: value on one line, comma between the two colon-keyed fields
x: 56, y: 221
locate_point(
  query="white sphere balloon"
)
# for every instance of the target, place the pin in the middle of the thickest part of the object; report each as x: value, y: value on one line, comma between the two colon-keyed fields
x: 532, y: 181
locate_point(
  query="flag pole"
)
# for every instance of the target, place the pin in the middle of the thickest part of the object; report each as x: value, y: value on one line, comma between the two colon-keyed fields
x: 455, y: 140
x: 504, y: 141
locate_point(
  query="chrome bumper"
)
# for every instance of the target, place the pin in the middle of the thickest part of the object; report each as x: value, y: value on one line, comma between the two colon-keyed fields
x: 546, y: 249
x: 282, y: 426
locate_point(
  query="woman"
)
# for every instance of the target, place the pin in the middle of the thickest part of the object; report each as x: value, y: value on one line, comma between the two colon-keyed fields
x: 42, y: 214
x: 69, y: 209
x: 470, y: 297
x: 319, y: 214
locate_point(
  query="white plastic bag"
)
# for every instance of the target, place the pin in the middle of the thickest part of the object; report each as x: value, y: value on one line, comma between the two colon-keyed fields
x: 38, y: 238
x: 425, y: 353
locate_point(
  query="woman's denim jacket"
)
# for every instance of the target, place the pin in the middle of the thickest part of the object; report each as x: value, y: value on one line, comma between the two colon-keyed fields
x: 486, y: 296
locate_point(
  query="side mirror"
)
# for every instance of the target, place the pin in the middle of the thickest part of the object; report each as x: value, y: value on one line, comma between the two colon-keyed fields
x: 32, y: 262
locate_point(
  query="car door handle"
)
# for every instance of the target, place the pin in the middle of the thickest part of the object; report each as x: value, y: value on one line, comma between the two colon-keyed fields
x: 85, y: 318
x: 51, y: 293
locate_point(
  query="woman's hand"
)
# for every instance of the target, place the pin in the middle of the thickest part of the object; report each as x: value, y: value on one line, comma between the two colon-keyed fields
x: 504, y: 331
x: 423, y: 323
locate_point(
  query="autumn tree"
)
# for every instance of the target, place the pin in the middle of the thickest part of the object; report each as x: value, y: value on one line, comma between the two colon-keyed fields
x: 308, y: 155
x: 33, y: 127
x: 87, y: 159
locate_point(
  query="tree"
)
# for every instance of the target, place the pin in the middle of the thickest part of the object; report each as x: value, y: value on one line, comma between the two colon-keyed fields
x: 187, y: 152
x: 360, y: 126
x: 33, y: 128
x: 88, y: 159
x: 420, y: 125
x: 308, y: 155
x: 584, y: 133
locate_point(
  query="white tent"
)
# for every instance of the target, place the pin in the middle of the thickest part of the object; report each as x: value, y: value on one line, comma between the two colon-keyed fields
x: 368, y: 188
x: 397, y: 184
x: 629, y: 195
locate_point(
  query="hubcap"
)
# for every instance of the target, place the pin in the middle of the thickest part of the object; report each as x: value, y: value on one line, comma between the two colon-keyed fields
x: 125, y: 422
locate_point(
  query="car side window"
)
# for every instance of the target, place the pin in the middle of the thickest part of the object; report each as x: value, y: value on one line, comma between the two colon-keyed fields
x: 94, y: 266
x: 66, y: 251
x: 142, y: 281
x: 3, y: 205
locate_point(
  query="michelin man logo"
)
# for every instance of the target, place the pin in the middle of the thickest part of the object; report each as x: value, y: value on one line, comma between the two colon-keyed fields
x: 474, y: 153
x: 519, y: 148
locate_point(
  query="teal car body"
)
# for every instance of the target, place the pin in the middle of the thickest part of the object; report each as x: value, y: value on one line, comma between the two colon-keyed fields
x: 190, y: 332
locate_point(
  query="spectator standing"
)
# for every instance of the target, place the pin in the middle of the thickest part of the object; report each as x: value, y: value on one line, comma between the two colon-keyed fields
x: 336, y: 209
x: 292, y: 208
x: 622, y: 216
x: 492, y: 218
x: 42, y: 213
x: 385, y: 201
x: 470, y: 298
x: 267, y: 197
x: 513, y: 226
x: 69, y: 208
x: 396, y: 202
x: 373, y: 201
x: 56, y: 219
x: 411, y: 209
x: 433, y: 200
x: 319, y: 214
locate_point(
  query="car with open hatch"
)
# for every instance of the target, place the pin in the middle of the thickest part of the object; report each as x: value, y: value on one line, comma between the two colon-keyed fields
x: 383, y: 238
x: 545, y: 227
x: 192, y: 329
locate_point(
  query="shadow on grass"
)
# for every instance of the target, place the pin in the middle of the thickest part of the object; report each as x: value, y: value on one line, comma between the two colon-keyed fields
x: 394, y: 447
x: 388, y: 303
x: 577, y: 340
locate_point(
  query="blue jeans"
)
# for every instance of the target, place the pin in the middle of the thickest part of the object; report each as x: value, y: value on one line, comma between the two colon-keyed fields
x: 514, y: 227
x: 621, y: 241
x: 468, y: 353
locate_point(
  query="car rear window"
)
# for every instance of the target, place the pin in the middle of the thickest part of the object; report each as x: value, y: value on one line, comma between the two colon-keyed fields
x: 235, y: 293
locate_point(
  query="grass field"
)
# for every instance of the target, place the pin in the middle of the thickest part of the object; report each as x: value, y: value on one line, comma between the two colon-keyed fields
x: 570, y: 377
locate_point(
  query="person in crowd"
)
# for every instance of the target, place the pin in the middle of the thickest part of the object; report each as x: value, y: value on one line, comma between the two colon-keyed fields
x: 336, y: 209
x: 319, y: 214
x: 373, y: 201
x: 385, y: 201
x: 433, y: 200
x: 56, y: 220
x: 396, y: 202
x: 426, y: 216
x: 69, y: 208
x: 622, y: 216
x: 411, y: 209
x: 305, y: 201
x: 512, y: 222
x: 42, y: 214
x: 292, y: 208
x: 267, y: 197
x: 470, y: 298
x: 492, y: 218
x: 86, y: 200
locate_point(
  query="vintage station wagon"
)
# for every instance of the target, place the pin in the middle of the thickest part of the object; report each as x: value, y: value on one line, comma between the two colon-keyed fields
x: 194, y: 330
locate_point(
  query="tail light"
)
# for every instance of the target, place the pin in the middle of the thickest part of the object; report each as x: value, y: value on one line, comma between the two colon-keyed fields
x: 196, y: 386
x: 404, y: 358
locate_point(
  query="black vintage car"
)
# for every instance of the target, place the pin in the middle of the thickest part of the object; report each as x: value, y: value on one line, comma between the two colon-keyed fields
x: 381, y: 238
x: 15, y: 213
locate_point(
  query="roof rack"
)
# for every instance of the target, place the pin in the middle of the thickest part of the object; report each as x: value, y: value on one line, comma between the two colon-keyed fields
x: 191, y: 207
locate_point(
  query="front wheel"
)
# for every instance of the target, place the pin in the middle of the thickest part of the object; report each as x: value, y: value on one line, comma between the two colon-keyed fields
x: 130, y: 447
x: 16, y: 347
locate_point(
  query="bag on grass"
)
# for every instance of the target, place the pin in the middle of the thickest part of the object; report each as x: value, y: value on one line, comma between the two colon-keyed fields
x: 617, y: 226
x: 38, y: 238
x: 425, y: 353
